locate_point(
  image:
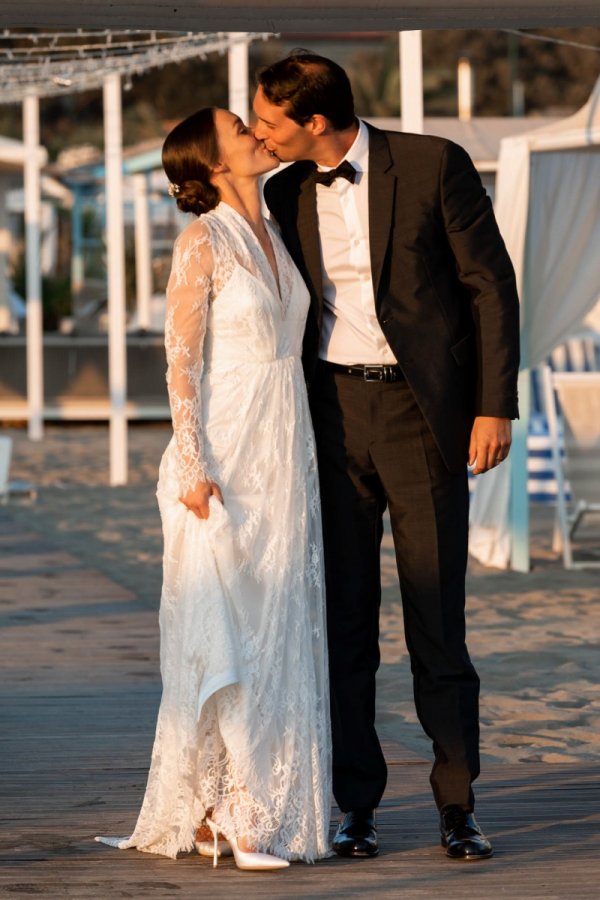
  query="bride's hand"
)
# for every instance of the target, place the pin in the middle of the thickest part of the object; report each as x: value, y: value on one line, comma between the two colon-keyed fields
x: 197, y: 500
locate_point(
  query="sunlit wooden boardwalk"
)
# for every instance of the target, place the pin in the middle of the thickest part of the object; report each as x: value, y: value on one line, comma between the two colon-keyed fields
x: 78, y: 699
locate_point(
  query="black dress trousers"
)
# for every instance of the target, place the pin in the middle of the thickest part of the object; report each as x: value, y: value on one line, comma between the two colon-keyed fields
x: 376, y: 450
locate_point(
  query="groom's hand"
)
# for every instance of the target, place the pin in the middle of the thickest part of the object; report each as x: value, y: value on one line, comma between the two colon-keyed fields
x: 490, y: 443
x: 197, y: 500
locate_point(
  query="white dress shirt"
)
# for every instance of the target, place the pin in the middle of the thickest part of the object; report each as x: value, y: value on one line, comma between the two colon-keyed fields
x: 351, y: 333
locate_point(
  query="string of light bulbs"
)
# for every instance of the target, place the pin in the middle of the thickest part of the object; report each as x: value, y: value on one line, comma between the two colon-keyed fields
x: 39, y: 63
x: 50, y: 62
x: 547, y: 39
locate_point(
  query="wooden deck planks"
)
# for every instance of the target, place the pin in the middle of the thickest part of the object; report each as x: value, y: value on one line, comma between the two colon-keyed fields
x: 78, y: 700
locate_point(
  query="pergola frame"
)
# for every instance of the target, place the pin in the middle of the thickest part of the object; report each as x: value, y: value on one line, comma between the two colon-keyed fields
x: 34, y: 65
x: 46, y: 63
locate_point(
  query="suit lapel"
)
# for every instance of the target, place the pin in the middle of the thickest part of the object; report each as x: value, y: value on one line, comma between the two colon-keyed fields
x: 308, y: 233
x: 382, y: 194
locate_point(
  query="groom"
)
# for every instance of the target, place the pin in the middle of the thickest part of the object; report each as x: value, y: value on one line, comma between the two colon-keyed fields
x: 411, y: 354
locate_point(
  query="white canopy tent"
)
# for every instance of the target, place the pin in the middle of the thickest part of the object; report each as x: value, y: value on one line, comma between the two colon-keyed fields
x: 548, y: 209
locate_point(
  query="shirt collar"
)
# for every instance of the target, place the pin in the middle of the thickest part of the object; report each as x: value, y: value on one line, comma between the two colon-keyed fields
x: 358, y: 153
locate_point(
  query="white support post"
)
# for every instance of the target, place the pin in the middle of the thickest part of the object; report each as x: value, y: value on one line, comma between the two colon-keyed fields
x: 238, y: 76
x: 411, y: 81
x: 33, y: 275
x: 143, y: 253
x: 465, y: 84
x: 115, y: 253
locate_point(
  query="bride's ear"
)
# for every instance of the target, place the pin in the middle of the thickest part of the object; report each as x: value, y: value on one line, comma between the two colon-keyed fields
x: 218, y: 169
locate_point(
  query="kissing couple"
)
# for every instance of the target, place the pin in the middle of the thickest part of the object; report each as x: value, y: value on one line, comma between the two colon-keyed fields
x: 351, y: 353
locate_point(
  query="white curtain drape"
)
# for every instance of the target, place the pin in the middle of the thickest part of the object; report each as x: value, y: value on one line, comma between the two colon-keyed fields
x: 548, y: 210
x: 562, y: 274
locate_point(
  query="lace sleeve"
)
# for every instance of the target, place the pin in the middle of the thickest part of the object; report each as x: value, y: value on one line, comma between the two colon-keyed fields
x: 188, y: 300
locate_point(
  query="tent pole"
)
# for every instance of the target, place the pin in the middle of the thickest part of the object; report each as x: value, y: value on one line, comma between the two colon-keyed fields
x: 115, y: 254
x: 411, y: 81
x: 238, y: 76
x: 519, y: 496
x: 33, y: 275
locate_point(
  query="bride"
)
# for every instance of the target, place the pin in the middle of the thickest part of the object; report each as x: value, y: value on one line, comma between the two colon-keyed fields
x: 242, y: 741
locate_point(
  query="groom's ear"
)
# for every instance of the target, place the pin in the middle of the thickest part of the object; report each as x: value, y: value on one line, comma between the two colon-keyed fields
x: 317, y: 125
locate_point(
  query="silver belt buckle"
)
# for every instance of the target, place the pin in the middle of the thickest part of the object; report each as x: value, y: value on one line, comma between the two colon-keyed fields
x: 374, y: 373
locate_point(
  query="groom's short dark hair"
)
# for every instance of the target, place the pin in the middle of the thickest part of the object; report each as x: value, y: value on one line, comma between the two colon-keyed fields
x: 308, y: 85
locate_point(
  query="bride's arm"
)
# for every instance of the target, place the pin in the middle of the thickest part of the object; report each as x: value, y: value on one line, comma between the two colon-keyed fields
x: 188, y: 300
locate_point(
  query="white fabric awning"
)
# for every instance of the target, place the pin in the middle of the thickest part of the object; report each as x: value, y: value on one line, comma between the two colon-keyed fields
x: 547, y: 206
x: 305, y: 16
x: 548, y: 197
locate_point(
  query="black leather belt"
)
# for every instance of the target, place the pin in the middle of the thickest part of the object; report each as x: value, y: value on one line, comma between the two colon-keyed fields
x: 367, y: 372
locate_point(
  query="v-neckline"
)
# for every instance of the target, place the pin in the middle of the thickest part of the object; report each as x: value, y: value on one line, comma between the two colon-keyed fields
x: 275, y: 276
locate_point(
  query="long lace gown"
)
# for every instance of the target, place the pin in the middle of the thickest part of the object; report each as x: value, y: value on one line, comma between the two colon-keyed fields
x: 243, y: 725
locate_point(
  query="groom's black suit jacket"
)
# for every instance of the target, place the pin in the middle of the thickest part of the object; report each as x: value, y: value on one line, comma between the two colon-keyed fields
x: 445, y: 291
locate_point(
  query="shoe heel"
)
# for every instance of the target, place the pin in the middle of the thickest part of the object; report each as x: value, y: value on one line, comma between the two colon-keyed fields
x: 215, y: 834
x: 205, y: 848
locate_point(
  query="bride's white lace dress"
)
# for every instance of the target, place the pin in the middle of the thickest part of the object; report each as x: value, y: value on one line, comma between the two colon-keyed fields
x: 245, y: 704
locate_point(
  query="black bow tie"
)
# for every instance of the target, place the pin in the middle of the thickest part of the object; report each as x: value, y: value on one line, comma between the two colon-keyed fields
x: 344, y: 170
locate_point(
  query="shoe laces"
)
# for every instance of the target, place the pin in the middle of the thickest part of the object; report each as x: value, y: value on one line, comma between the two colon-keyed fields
x: 454, y: 817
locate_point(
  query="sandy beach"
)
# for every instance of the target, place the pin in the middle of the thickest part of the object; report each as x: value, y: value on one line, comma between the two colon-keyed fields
x: 533, y: 637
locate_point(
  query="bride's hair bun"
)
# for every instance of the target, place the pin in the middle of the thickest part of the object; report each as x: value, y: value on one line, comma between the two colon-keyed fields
x: 190, y: 153
x: 197, y: 197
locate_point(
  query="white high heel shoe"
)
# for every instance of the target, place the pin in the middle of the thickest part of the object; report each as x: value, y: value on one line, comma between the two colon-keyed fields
x: 243, y: 859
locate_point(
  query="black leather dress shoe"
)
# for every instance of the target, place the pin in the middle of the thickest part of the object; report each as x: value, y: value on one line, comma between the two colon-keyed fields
x: 357, y: 834
x: 461, y: 835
